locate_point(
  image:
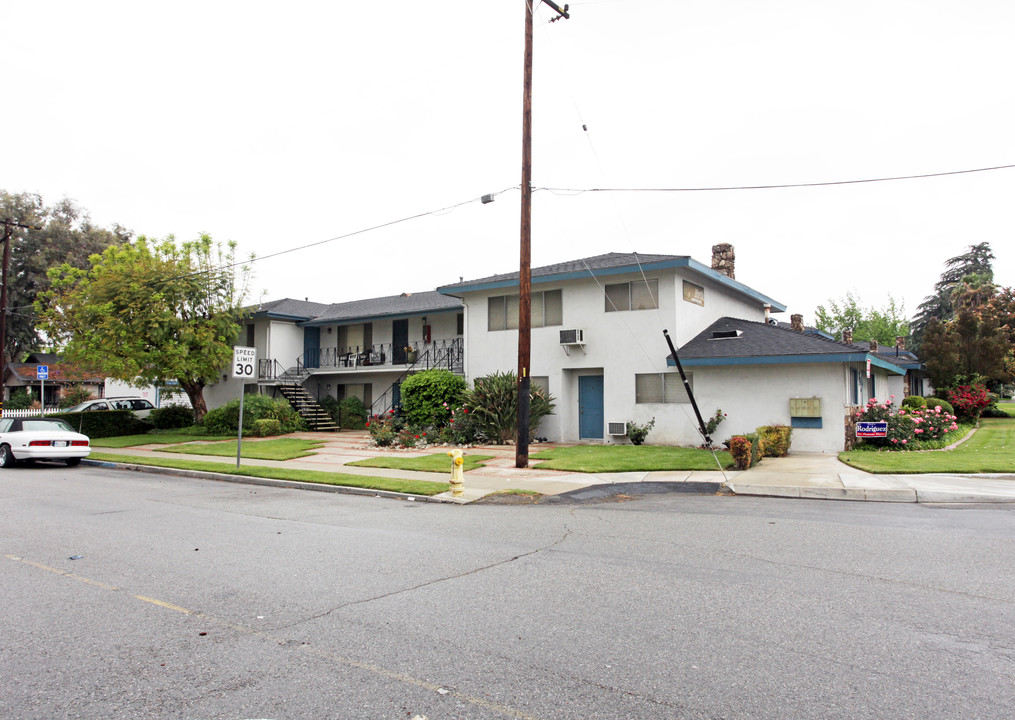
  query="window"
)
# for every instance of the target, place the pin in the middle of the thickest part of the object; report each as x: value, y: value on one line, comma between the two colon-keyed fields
x: 637, y: 295
x: 460, y: 324
x: 547, y: 309
x: 661, y: 388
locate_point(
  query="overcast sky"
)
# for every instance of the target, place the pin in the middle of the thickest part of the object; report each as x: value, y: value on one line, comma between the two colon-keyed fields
x: 280, y: 125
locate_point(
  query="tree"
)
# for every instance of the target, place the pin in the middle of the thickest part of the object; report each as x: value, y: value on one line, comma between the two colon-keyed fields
x: 967, y: 350
x: 975, y: 263
x: 150, y: 311
x: 883, y: 325
x: 67, y: 236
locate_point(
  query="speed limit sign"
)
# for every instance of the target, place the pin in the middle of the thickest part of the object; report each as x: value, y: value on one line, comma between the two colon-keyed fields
x: 244, y: 362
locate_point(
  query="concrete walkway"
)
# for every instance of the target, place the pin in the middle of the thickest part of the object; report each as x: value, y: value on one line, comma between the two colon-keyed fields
x: 801, y: 475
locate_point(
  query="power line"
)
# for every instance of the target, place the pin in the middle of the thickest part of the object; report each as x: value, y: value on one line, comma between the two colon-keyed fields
x: 578, y: 191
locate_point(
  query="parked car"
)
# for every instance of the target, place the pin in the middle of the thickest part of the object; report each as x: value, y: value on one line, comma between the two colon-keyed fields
x: 40, y: 439
x: 141, y: 407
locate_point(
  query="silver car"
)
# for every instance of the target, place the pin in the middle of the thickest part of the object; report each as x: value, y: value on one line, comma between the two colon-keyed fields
x: 141, y: 407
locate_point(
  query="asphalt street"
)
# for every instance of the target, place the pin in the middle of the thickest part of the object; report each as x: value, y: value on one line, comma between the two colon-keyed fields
x: 196, y: 599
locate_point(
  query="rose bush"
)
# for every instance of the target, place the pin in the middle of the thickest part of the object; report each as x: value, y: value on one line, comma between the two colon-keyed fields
x: 908, y: 428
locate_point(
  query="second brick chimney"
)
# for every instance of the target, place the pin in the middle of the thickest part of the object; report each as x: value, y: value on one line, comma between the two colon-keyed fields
x: 847, y: 336
x: 796, y: 322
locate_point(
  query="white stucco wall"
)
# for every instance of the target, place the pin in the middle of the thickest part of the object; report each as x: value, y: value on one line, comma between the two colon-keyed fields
x: 618, y: 345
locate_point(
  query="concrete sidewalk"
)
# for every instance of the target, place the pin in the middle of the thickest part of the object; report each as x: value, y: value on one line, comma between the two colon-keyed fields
x: 801, y: 475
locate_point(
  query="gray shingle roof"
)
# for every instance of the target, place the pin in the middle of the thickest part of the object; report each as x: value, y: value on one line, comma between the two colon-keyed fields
x: 404, y: 304
x: 290, y: 308
x: 597, y: 262
x: 758, y: 339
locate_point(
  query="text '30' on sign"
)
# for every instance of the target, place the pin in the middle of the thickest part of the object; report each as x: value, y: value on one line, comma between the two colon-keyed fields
x: 244, y: 362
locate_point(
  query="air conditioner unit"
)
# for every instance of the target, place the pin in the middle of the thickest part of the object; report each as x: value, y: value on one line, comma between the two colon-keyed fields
x: 616, y: 428
x: 570, y: 338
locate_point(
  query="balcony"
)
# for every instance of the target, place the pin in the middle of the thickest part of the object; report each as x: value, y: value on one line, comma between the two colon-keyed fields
x: 447, y: 354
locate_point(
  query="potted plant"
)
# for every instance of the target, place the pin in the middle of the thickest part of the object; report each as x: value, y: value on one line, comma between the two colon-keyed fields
x: 411, y: 355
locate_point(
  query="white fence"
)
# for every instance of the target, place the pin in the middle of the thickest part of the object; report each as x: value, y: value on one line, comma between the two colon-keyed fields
x: 10, y: 413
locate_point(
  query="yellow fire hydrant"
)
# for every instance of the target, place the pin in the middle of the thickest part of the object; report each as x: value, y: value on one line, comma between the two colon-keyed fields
x: 457, y: 473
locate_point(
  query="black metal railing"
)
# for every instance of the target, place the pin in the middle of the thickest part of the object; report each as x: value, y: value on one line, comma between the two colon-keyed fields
x: 445, y: 354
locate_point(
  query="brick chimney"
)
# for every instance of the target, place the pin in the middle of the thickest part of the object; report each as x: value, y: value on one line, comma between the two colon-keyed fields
x: 847, y: 336
x: 796, y: 322
x: 723, y: 259
x: 900, y: 343
x: 874, y: 346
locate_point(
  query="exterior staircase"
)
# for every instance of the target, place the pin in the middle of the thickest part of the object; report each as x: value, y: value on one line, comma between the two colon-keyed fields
x: 318, y: 419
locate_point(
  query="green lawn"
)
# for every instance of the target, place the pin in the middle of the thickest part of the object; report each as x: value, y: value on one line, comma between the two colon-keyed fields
x: 154, y: 439
x: 628, y: 458
x: 277, y: 449
x: 412, y: 487
x: 439, y: 462
x: 1008, y: 407
x: 990, y: 450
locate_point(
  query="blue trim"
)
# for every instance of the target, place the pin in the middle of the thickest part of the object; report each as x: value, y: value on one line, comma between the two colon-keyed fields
x: 680, y: 262
x: 786, y: 360
x: 805, y: 422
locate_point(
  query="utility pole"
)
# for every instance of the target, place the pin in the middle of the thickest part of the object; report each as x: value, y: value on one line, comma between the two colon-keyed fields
x: 9, y: 226
x: 525, y: 260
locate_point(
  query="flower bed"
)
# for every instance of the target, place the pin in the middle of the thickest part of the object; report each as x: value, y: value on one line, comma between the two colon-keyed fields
x: 912, y: 428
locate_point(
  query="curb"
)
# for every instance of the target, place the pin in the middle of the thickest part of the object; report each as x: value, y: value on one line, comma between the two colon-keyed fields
x: 272, y: 482
x: 898, y: 495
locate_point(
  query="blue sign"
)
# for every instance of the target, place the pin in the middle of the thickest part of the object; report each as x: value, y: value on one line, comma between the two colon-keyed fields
x: 43, y: 372
x: 871, y: 429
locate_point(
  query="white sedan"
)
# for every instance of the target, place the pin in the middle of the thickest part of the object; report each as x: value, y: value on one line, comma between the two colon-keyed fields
x: 40, y: 439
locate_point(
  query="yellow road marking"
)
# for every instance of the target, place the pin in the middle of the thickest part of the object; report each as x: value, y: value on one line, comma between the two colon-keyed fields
x: 166, y: 605
x: 322, y: 654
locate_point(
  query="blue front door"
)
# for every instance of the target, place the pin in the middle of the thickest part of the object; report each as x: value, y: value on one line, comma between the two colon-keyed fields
x: 311, y: 347
x: 590, y: 407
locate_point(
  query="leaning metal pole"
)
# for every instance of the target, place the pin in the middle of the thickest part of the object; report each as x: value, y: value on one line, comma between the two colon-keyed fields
x: 694, y: 404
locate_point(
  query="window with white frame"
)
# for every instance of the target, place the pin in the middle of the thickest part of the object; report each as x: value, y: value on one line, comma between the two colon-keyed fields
x: 547, y: 310
x: 661, y: 388
x: 635, y: 295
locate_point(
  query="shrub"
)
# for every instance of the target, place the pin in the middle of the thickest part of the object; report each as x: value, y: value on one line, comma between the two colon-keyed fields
x: 909, y: 428
x: 740, y: 450
x: 637, y: 433
x: 429, y: 396
x: 757, y: 447
x: 462, y: 427
x: 384, y: 429
x: 946, y: 406
x: 223, y: 420
x: 171, y: 416
x: 713, y: 423
x: 493, y: 402
x: 775, y: 440
x: 913, y: 401
x: 969, y: 400
x: 20, y: 399
x: 74, y: 395
x: 108, y: 423
x: 266, y: 427
x: 352, y: 413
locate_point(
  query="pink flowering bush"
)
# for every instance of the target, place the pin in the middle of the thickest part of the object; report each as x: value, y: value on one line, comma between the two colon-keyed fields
x: 908, y: 428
